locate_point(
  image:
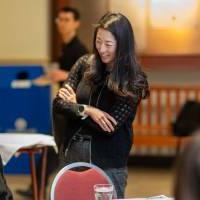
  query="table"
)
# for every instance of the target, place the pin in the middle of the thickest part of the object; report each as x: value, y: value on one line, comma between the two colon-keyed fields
x: 160, y: 197
x: 31, y: 151
x: 31, y: 144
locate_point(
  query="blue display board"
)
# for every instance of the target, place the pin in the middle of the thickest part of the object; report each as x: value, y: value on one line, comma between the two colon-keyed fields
x: 24, y: 107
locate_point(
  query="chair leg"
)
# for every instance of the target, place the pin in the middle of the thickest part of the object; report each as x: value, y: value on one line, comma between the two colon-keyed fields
x: 33, y: 175
x: 43, y: 173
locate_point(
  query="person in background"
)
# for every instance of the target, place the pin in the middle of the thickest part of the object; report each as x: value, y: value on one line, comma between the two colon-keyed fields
x: 187, y: 181
x: 5, y: 193
x: 101, y: 94
x: 68, y: 22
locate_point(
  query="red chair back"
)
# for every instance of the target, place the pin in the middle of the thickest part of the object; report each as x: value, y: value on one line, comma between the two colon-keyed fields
x: 76, y: 185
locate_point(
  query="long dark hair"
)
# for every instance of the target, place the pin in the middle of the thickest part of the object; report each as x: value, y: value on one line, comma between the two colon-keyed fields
x: 126, y: 78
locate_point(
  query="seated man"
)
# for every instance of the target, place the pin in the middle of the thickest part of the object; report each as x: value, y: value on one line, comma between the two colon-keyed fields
x: 5, y: 193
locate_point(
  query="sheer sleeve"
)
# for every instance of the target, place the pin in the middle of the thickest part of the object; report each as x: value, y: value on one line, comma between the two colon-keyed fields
x: 120, y: 111
x: 75, y: 75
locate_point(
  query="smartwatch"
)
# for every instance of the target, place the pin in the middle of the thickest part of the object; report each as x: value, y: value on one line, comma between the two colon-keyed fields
x: 81, y: 109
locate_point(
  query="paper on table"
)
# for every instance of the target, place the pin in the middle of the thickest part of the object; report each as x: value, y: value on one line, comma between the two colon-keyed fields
x: 10, y: 143
x: 133, y: 199
x: 160, y: 197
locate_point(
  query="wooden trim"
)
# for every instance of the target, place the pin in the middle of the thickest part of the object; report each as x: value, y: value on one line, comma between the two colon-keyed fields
x: 156, y: 141
x: 55, y: 40
x: 24, y: 62
x: 172, y: 61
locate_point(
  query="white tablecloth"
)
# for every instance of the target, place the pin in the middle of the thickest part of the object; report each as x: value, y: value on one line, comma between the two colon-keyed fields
x: 10, y: 143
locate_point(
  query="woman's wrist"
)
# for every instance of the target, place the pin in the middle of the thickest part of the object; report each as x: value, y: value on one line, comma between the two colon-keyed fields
x: 87, y: 109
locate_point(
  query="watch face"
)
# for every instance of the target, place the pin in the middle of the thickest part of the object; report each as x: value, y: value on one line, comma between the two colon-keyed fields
x: 81, y: 108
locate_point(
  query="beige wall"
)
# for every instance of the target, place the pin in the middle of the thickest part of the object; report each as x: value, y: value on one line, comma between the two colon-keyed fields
x: 163, y: 27
x: 137, y: 18
x: 24, y: 30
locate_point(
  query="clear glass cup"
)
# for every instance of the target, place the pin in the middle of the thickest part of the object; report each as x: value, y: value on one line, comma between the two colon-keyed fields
x: 103, y: 191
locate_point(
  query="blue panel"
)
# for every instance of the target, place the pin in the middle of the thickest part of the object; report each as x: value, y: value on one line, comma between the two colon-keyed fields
x: 23, y: 109
x: 10, y: 73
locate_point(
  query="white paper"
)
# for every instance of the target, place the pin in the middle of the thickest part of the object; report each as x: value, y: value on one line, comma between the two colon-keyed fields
x: 159, y: 197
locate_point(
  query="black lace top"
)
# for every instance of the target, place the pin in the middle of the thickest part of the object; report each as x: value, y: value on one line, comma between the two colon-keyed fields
x: 109, y: 150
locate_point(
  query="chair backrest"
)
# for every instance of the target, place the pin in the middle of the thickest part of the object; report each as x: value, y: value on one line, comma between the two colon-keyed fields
x: 76, y: 185
x: 156, y: 114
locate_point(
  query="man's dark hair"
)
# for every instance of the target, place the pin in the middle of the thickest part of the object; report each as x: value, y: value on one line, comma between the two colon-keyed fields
x: 74, y: 11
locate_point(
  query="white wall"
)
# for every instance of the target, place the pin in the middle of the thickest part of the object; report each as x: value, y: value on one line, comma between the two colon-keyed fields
x: 24, y: 31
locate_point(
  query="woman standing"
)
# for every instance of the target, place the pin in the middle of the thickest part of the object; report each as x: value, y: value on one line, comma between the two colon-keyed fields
x: 101, y: 96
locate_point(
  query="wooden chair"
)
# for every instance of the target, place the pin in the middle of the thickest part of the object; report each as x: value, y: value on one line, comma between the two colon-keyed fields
x: 152, y: 126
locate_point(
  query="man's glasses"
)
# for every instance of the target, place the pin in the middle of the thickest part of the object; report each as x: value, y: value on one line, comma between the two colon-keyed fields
x: 58, y: 20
